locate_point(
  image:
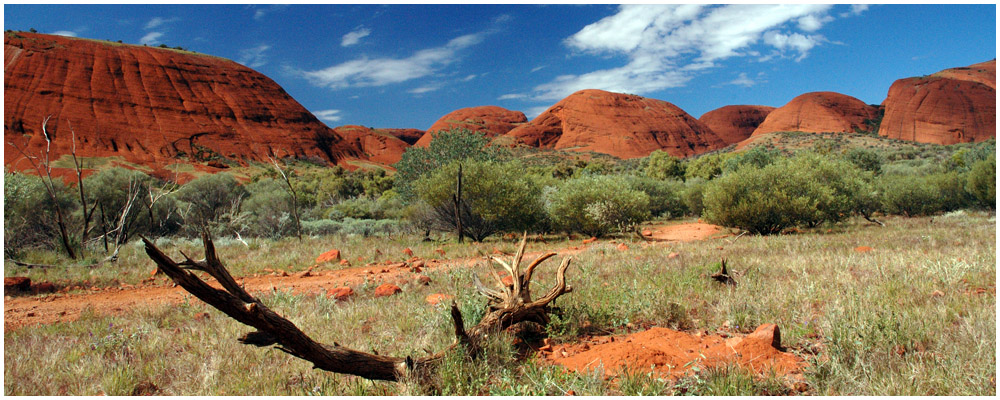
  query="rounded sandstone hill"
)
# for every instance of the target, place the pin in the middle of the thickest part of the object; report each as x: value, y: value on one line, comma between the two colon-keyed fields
x: 952, y: 106
x: 151, y: 106
x: 376, y: 145
x: 735, y: 123
x: 819, y: 112
x: 622, y: 125
x: 410, y: 136
x: 488, y: 120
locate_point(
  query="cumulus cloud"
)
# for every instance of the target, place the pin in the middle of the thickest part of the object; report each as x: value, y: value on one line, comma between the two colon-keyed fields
x: 742, y: 80
x: 367, y: 72
x: 328, y: 115
x: 65, y: 33
x: 254, y: 57
x: 151, y: 37
x: 424, y: 89
x: 352, y: 38
x: 260, y: 13
x: 856, y: 9
x: 665, y: 45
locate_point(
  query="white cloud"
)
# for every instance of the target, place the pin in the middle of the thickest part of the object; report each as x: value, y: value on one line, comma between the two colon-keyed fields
x: 151, y: 37
x: 538, y: 68
x: 470, y: 77
x: 366, y: 72
x: 665, y: 45
x: 328, y: 115
x: 158, y: 21
x: 424, y: 89
x: 65, y: 33
x: 260, y: 13
x: 254, y: 57
x: 856, y: 9
x: 742, y: 80
x: 513, y: 96
x: 352, y: 38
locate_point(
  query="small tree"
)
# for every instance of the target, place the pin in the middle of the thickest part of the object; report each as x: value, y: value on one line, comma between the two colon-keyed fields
x: 661, y: 165
x: 981, y: 183
x: 444, y: 148
x: 213, y: 201
x: 596, y: 205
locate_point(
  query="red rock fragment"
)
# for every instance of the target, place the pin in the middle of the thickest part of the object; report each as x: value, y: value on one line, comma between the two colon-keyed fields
x: 331, y: 255
x: 387, y: 289
x: 340, y: 293
x: 438, y: 298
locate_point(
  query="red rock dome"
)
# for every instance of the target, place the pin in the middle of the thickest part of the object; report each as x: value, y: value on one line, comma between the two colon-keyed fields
x: 488, y: 120
x: 819, y: 112
x: 735, y: 123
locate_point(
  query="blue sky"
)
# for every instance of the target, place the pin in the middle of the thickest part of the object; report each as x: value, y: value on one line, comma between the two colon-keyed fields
x: 405, y: 66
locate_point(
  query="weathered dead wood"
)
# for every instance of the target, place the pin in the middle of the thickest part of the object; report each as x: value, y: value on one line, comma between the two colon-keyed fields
x: 509, y: 307
x: 723, y: 275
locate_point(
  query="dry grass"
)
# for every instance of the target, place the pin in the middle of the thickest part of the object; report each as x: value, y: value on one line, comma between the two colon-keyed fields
x: 870, y: 323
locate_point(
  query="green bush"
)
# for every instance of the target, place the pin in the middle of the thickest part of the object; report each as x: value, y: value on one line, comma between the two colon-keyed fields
x: 496, y: 197
x: 706, y: 167
x: 981, y: 183
x: 269, y: 206
x: 213, y: 201
x: 29, y: 213
x: 110, y: 189
x: 759, y: 157
x: 866, y: 159
x: 909, y: 195
x: 445, y: 148
x: 664, y: 195
x: 662, y: 166
x: 693, y: 195
x: 596, y: 205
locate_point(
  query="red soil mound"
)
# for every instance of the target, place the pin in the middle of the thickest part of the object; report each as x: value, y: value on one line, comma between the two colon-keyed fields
x: 376, y: 145
x: 622, y: 125
x: 672, y: 353
x: 735, y: 123
x: 488, y: 120
x: 952, y: 106
x: 151, y: 105
x: 819, y: 112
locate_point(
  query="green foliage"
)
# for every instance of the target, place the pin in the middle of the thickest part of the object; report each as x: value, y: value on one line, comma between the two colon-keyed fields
x: 444, y: 148
x: 981, y: 183
x: 661, y: 165
x: 664, y: 195
x: 693, y: 195
x: 110, y: 189
x: 706, y: 167
x: 866, y: 159
x: 213, y: 201
x: 596, y: 205
x: 909, y: 195
x: 29, y: 212
x: 269, y: 206
x: 496, y: 197
x: 759, y: 157
x: 804, y: 190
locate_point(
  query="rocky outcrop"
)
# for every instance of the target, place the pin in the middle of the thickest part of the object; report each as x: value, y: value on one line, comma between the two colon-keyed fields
x: 820, y: 112
x: 376, y: 145
x: 410, y: 136
x: 735, y: 123
x: 952, y: 106
x: 488, y: 120
x: 151, y: 106
x: 622, y: 125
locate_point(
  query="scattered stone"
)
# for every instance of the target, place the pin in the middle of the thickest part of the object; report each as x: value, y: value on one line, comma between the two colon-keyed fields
x: 439, y: 251
x: 44, y: 287
x: 408, y: 252
x: 622, y: 247
x: 331, y: 255
x: 387, y: 289
x: 145, y: 389
x: 156, y: 271
x: 589, y: 241
x: 16, y: 284
x: 345, y: 263
x: 673, y: 255
x: 415, y: 269
x: 767, y: 333
x: 937, y: 293
x: 507, y: 280
x: 863, y: 249
x: 423, y: 280
x: 340, y: 293
x: 438, y: 298
x: 647, y: 233
x: 201, y: 316
x: 547, y: 347
x: 571, y: 393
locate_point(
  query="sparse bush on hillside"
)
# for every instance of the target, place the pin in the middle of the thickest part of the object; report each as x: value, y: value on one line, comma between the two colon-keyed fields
x: 664, y: 195
x: 759, y: 157
x: 596, y: 205
x: 446, y: 147
x: 269, y: 206
x: 29, y: 214
x: 866, y: 159
x: 909, y: 195
x: 496, y: 197
x: 981, y: 183
x: 693, y: 195
x: 212, y: 201
x: 706, y: 167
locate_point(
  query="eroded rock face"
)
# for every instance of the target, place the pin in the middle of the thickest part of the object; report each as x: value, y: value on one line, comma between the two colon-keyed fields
x: 151, y: 106
x: 952, y: 106
x: 622, y: 125
x: 488, y: 120
x: 735, y: 123
x: 410, y: 136
x: 819, y: 112
x: 376, y: 145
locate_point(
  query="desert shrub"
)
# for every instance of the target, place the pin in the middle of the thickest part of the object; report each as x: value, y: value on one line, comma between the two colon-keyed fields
x: 110, y: 190
x: 758, y: 157
x: 909, y: 195
x: 963, y: 159
x: 981, y: 183
x: 951, y: 189
x: 596, y: 205
x: 320, y: 227
x: 660, y: 165
x: 866, y: 159
x: 212, y: 201
x: 804, y: 190
x: 444, y: 148
x: 351, y: 226
x: 664, y: 195
x: 693, y: 195
x: 496, y: 197
x: 269, y: 206
x: 706, y: 167
x: 29, y: 213
x: 320, y: 188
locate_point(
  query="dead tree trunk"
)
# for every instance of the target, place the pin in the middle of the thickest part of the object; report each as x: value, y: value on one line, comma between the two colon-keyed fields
x: 507, y: 306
